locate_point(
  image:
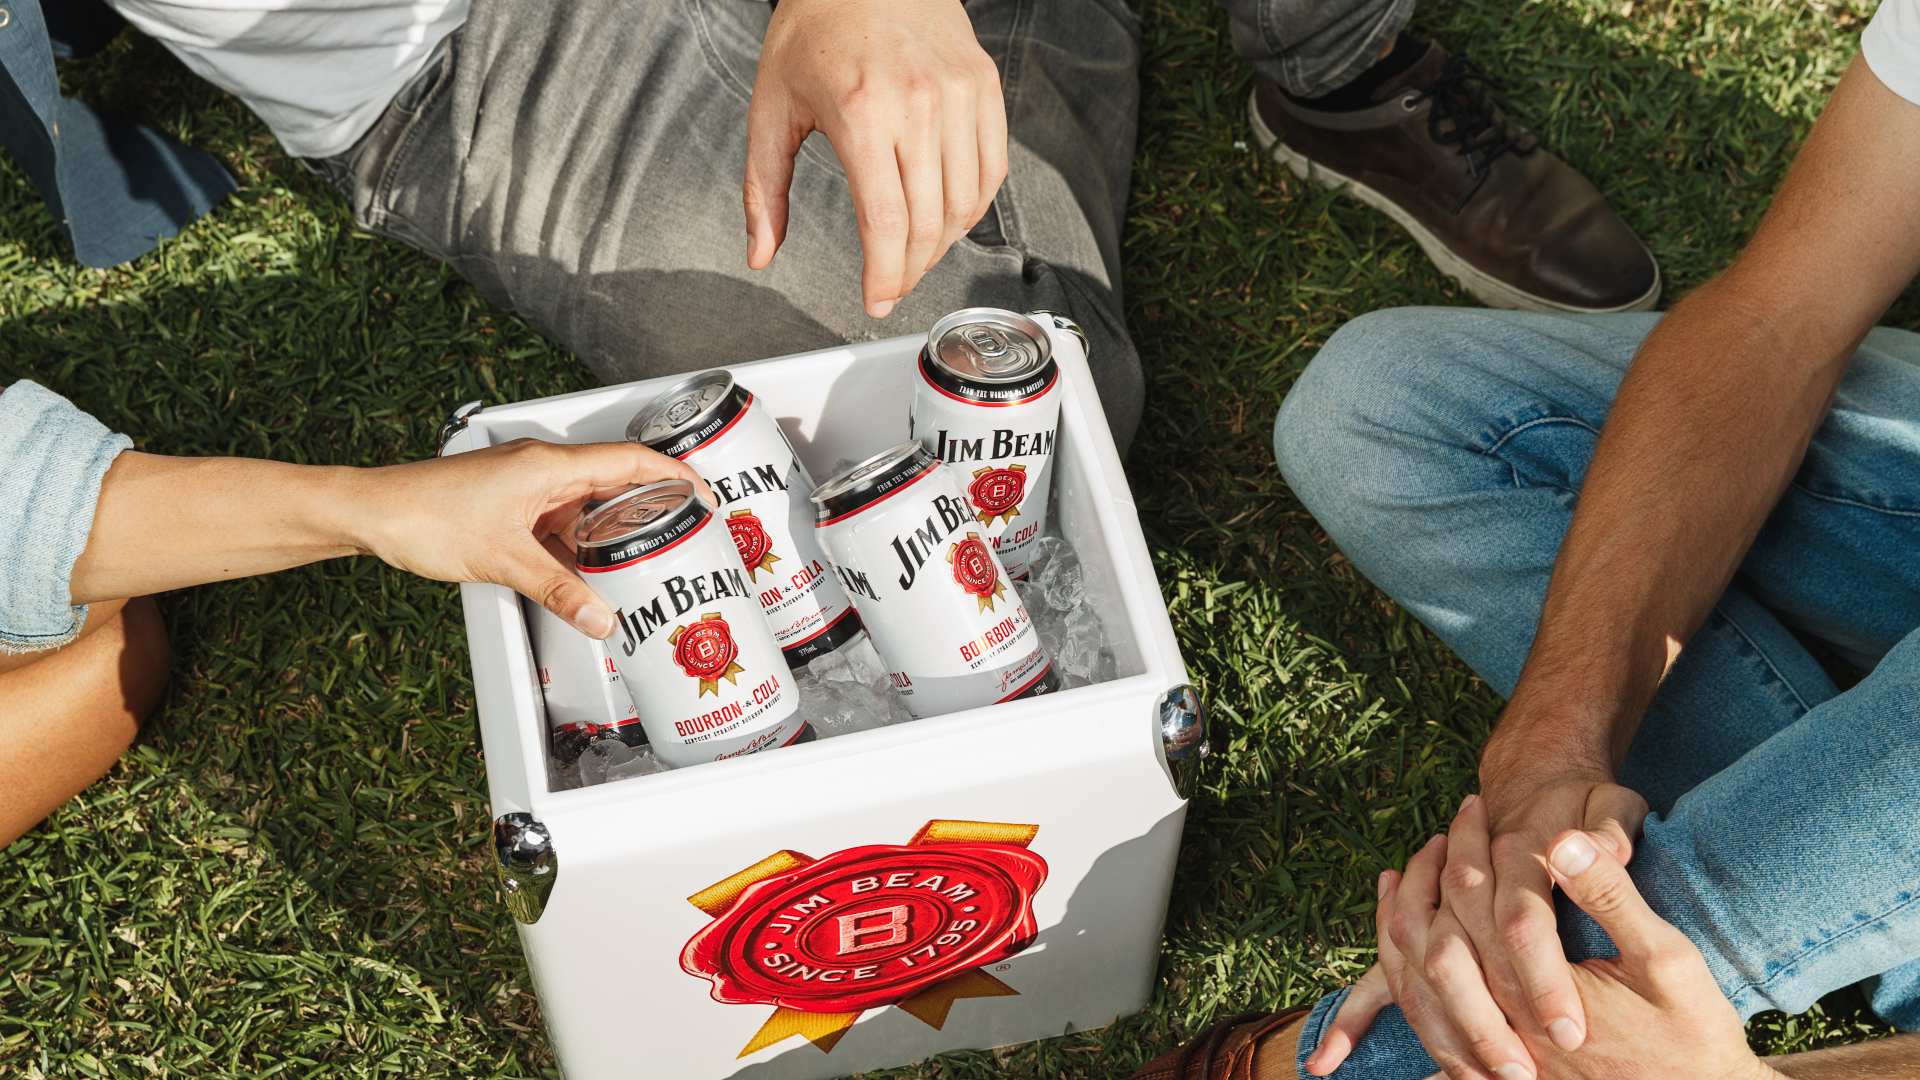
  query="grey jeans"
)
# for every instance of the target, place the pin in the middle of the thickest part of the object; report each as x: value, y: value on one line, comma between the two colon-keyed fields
x: 1310, y: 47
x: 580, y: 163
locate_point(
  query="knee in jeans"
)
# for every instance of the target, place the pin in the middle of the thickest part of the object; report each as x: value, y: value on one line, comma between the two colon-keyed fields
x: 1365, y: 380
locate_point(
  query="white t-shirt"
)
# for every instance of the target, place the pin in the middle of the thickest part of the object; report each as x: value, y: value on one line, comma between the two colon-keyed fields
x: 319, y: 72
x: 1892, y: 47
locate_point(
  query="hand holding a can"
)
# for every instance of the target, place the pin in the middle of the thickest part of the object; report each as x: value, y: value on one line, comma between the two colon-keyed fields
x: 504, y: 514
x: 912, y: 105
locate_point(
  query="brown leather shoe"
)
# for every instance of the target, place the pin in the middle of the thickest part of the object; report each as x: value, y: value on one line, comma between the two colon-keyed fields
x: 1221, y: 1052
x: 1516, y: 226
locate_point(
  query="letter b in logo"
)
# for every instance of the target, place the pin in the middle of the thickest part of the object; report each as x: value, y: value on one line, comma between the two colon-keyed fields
x: 879, y: 928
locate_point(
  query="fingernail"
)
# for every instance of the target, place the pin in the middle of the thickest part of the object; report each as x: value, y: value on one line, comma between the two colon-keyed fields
x: 880, y: 309
x: 1380, y: 887
x: 595, y: 622
x: 1573, y: 855
x: 1468, y: 801
x: 1513, y: 1070
x: 1564, y: 1033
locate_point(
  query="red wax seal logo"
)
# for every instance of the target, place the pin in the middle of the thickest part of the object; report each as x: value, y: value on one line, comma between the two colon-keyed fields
x: 750, y: 536
x: 973, y: 568
x: 823, y: 940
x: 996, y: 493
x: 705, y: 650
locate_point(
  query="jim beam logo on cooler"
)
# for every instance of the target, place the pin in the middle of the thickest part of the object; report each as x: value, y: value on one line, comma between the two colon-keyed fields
x: 824, y: 940
x: 974, y: 571
x: 750, y: 536
x: 706, y: 651
x: 678, y: 595
x: 914, y: 548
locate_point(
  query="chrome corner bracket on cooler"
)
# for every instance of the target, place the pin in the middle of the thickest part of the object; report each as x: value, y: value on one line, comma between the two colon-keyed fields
x: 1061, y: 322
x: 528, y: 864
x: 1183, y: 734
x: 456, y: 423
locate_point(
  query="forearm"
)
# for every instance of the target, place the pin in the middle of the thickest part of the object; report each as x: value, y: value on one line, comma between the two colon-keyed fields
x: 1889, y: 1058
x: 168, y: 523
x: 1708, y: 426
x: 1706, y: 431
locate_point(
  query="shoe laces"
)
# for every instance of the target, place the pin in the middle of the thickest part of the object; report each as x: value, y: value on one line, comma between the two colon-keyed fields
x: 1466, y: 115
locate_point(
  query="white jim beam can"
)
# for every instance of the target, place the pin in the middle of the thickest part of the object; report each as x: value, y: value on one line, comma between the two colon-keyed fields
x: 691, y: 646
x: 714, y: 424
x: 583, y: 690
x: 987, y: 402
x: 942, y: 613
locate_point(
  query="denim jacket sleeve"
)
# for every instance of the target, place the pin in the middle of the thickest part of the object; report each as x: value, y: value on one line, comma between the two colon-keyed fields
x: 52, y: 460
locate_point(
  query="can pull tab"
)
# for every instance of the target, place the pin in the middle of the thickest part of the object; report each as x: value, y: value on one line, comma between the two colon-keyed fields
x: 528, y: 864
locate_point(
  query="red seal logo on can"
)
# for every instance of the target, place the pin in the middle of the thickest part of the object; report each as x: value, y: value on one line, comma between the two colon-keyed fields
x: 996, y: 493
x: 823, y: 940
x: 750, y: 536
x: 705, y: 650
x: 974, y: 570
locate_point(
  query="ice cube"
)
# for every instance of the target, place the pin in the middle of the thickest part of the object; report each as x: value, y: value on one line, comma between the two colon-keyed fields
x: 1063, y: 584
x: 641, y: 762
x: 599, y: 760
x: 1042, y: 553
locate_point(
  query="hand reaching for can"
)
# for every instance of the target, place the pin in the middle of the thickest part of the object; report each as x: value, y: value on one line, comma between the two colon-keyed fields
x: 505, y: 515
x: 912, y: 105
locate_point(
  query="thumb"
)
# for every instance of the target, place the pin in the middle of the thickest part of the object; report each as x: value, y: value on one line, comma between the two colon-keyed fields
x: 1614, y: 815
x: 533, y: 572
x: 1350, y: 1023
x: 1603, y: 889
x: 774, y: 134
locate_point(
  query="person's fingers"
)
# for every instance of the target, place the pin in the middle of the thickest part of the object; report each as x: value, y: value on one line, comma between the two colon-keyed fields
x: 774, y: 134
x: 959, y: 175
x: 1467, y: 890
x: 991, y: 123
x: 1604, y: 889
x: 602, y: 470
x: 1527, y: 938
x: 919, y: 155
x: 534, y: 572
x: 1453, y: 967
x: 880, y: 210
x: 1452, y: 970
x: 1406, y: 905
x: 1614, y: 815
x: 1364, y: 1002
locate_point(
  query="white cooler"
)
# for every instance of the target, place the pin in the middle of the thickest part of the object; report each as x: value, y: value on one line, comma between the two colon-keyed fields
x: 973, y: 880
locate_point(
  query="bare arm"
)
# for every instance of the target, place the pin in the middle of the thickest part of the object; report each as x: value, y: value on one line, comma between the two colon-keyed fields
x: 1883, y: 1059
x: 167, y: 523
x: 1713, y: 419
x: 1705, y: 433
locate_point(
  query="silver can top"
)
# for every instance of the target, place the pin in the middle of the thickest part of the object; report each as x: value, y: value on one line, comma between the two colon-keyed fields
x: 632, y: 513
x: 989, y: 345
x: 680, y: 407
x: 859, y: 474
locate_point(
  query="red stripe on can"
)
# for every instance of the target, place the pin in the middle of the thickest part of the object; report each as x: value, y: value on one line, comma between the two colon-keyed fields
x: 724, y: 428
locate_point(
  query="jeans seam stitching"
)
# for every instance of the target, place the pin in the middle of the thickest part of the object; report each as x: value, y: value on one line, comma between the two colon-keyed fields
x: 1778, y: 675
x: 1493, y: 450
x: 1787, y: 966
x: 1010, y: 93
x: 1855, y: 503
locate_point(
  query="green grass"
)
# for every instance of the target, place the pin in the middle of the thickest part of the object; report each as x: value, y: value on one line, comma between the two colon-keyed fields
x: 289, y: 875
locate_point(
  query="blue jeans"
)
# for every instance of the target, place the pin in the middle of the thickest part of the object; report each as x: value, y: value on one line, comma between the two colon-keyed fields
x: 1443, y: 449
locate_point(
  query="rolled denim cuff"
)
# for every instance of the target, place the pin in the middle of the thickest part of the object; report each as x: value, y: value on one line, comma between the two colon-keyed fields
x: 53, y: 458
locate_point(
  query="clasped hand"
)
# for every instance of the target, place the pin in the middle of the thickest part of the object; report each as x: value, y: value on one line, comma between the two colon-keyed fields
x: 1453, y: 954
